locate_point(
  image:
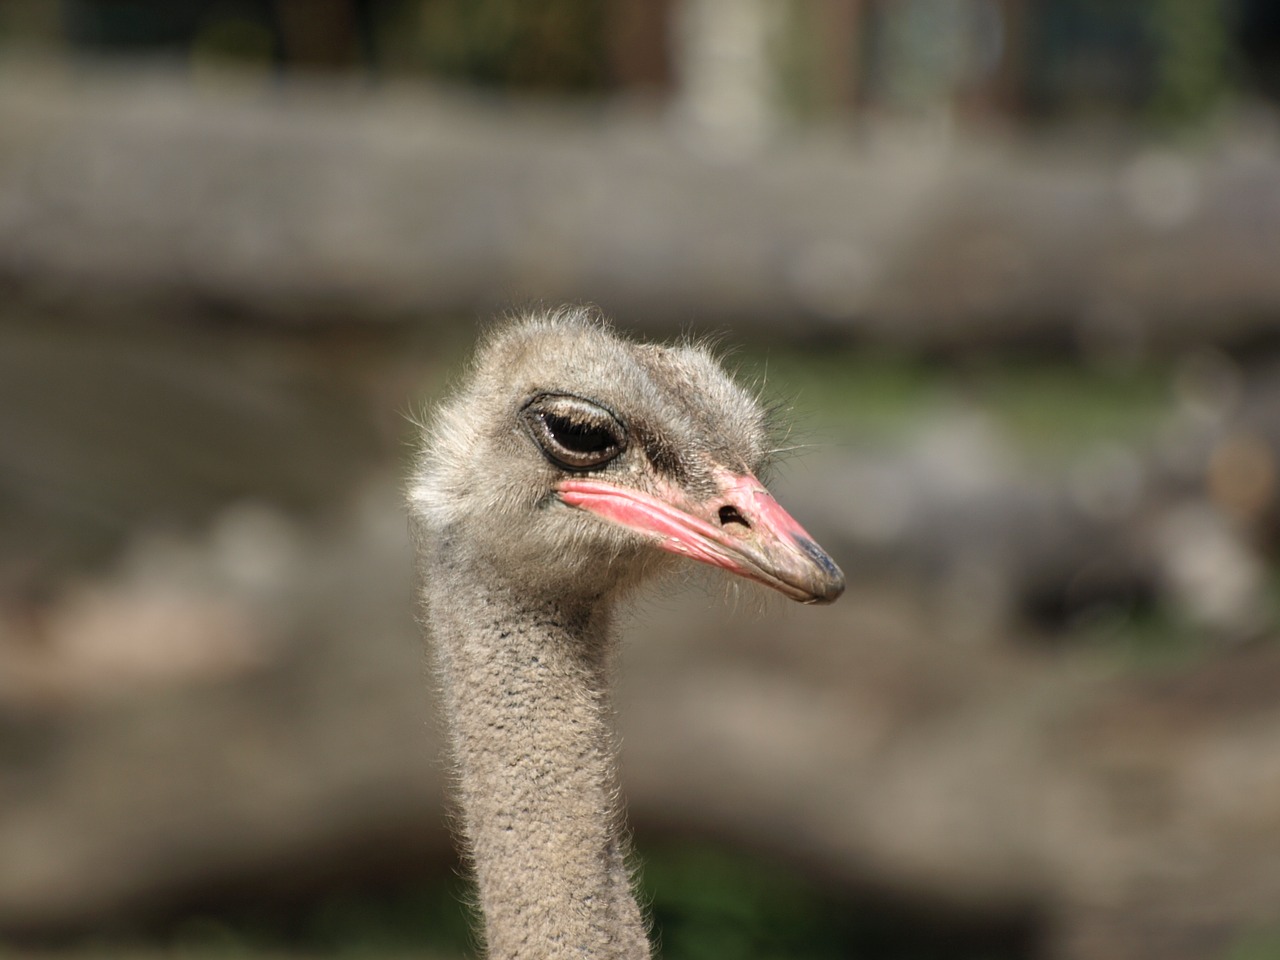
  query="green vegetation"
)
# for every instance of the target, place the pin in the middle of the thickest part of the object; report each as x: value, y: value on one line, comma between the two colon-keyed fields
x: 430, y: 918
x: 1050, y: 409
x: 1264, y: 945
x: 708, y: 903
x: 1192, y: 52
x: 553, y: 45
x: 1059, y: 409
x: 844, y: 394
x: 1151, y: 637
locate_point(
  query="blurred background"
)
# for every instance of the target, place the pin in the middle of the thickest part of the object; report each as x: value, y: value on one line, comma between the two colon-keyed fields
x: 1014, y: 266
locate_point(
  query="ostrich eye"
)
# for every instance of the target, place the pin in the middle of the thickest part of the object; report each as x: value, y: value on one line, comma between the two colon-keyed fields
x: 574, y: 433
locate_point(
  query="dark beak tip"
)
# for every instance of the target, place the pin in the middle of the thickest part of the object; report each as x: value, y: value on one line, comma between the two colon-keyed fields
x: 827, y: 582
x: 824, y: 590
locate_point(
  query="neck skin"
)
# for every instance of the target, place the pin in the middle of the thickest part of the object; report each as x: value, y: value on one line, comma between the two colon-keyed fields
x: 525, y: 692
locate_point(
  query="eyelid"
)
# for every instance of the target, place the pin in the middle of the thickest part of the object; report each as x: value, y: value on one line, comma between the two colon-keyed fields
x: 574, y: 409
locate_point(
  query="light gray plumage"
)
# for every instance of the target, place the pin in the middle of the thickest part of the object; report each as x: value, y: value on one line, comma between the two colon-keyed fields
x: 544, y: 493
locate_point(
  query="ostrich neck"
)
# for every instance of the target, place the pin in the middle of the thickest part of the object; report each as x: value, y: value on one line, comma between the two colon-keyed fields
x: 524, y: 680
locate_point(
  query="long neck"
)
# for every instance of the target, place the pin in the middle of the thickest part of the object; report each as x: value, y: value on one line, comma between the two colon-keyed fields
x: 525, y: 692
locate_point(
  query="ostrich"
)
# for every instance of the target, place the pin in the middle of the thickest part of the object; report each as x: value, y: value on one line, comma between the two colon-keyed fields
x: 569, y: 466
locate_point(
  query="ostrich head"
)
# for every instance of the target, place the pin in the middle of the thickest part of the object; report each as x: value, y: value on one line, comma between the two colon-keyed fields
x: 575, y: 461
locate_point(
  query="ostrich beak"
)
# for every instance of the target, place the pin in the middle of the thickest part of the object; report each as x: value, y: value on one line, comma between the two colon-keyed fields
x: 741, y: 529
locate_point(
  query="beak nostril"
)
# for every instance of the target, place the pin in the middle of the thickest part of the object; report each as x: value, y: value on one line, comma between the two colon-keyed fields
x: 729, y: 514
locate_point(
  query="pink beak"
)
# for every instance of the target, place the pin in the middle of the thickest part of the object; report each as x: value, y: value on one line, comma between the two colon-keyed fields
x: 742, y: 529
